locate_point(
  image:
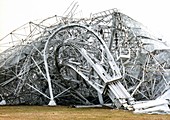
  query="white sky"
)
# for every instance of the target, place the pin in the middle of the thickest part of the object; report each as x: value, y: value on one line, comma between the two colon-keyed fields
x: 152, y: 13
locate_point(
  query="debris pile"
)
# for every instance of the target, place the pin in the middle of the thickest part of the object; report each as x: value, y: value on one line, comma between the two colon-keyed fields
x: 108, y: 59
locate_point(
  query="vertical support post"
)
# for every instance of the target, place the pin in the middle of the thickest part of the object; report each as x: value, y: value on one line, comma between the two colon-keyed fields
x: 52, y: 102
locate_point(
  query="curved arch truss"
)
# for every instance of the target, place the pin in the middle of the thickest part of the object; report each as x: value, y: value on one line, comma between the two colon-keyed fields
x: 107, y: 59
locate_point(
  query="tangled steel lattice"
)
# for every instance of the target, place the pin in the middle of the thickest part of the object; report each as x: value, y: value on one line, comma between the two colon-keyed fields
x: 108, y: 58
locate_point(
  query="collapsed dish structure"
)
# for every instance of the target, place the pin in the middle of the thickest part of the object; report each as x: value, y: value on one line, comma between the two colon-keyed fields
x: 108, y: 59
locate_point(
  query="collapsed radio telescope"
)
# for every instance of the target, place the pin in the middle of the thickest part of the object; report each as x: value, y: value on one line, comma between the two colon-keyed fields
x: 108, y: 59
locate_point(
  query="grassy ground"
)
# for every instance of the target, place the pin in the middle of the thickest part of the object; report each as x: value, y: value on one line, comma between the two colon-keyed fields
x: 66, y: 113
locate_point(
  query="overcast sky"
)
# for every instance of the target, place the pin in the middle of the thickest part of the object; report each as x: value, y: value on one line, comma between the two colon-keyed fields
x: 152, y: 13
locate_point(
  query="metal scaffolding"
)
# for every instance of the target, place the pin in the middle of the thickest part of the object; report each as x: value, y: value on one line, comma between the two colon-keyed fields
x: 108, y: 59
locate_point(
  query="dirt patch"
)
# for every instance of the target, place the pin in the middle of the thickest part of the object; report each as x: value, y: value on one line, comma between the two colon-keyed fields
x: 67, y: 113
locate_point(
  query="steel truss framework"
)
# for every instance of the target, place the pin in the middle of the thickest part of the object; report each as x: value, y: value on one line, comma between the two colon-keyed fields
x: 108, y: 58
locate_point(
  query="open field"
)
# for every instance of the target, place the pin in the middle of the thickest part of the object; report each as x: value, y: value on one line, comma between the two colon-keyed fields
x: 66, y: 113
